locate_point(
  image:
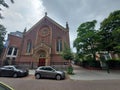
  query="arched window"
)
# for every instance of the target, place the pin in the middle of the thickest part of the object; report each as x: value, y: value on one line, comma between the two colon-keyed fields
x: 42, y: 54
x: 29, y: 46
x: 59, y: 45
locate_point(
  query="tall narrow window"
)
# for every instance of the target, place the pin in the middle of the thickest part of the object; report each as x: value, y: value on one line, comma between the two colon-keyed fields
x: 10, y: 50
x: 59, y: 45
x: 29, y: 45
x: 15, y: 51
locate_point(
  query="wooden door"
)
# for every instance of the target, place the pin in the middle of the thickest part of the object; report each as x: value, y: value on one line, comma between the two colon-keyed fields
x: 41, y: 62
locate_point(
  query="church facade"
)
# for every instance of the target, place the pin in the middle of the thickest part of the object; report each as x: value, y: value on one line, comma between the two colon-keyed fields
x: 39, y: 46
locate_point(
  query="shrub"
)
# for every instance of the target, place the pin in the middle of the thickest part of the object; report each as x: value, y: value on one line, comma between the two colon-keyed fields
x: 91, y: 63
x: 113, y: 64
x: 70, y: 70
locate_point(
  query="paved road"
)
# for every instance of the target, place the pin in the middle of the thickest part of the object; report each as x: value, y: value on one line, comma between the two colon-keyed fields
x: 82, y: 80
x: 29, y: 83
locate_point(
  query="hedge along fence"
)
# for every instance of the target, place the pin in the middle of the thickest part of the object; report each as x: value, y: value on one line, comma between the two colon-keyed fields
x: 91, y: 63
x: 113, y: 64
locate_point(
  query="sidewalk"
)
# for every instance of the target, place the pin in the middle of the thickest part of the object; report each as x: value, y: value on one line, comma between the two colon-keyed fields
x: 84, y: 74
x: 31, y: 72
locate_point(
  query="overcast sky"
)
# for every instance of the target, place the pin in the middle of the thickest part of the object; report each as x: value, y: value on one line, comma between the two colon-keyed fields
x: 25, y: 13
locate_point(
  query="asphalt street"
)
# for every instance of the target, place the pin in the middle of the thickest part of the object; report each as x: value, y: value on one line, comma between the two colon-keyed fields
x: 82, y: 79
x: 30, y: 83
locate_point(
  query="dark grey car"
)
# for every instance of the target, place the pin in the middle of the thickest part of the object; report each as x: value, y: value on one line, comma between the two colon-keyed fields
x: 13, y: 71
x: 49, y: 72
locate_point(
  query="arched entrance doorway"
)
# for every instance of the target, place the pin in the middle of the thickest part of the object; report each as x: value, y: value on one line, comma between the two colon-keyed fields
x: 42, y: 58
x: 42, y: 54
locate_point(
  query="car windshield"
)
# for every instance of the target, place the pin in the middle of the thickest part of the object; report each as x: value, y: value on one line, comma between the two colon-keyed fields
x: 18, y: 67
x: 48, y: 69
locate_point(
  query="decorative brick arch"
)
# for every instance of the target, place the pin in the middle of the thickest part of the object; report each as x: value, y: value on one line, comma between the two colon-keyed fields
x: 42, y: 48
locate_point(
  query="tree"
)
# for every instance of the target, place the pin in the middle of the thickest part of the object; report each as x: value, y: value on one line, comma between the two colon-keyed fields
x: 116, y: 35
x: 110, y: 32
x: 67, y: 53
x: 2, y: 28
x: 2, y: 35
x: 4, y: 4
x: 86, y: 40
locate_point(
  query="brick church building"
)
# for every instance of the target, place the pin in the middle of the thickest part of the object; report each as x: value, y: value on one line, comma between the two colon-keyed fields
x: 38, y: 46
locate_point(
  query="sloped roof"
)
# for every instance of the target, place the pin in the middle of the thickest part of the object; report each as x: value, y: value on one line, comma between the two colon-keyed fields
x: 49, y: 19
x: 17, y: 33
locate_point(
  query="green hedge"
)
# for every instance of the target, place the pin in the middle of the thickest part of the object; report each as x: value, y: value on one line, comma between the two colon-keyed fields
x: 91, y: 63
x: 70, y: 70
x: 113, y: 64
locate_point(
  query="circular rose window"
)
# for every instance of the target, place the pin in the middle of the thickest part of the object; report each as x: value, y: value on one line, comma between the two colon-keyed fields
x: 44, y: 31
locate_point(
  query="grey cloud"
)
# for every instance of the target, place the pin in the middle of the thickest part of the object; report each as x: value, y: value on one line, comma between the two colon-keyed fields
x: 22, y: 14
x: 82, y: 9
x: 79, y: 11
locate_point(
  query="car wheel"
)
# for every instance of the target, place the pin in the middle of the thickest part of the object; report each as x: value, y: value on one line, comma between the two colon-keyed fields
x: 37, y: 76
x: 58, y: 77
x: 15, y: 75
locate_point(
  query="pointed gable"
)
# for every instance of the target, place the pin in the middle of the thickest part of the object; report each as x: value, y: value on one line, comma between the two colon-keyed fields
x: 46, y: 21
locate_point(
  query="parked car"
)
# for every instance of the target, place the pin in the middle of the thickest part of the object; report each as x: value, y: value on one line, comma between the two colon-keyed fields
x: 5, y: 87
x: 13, y: 71
x: 49, y: 72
